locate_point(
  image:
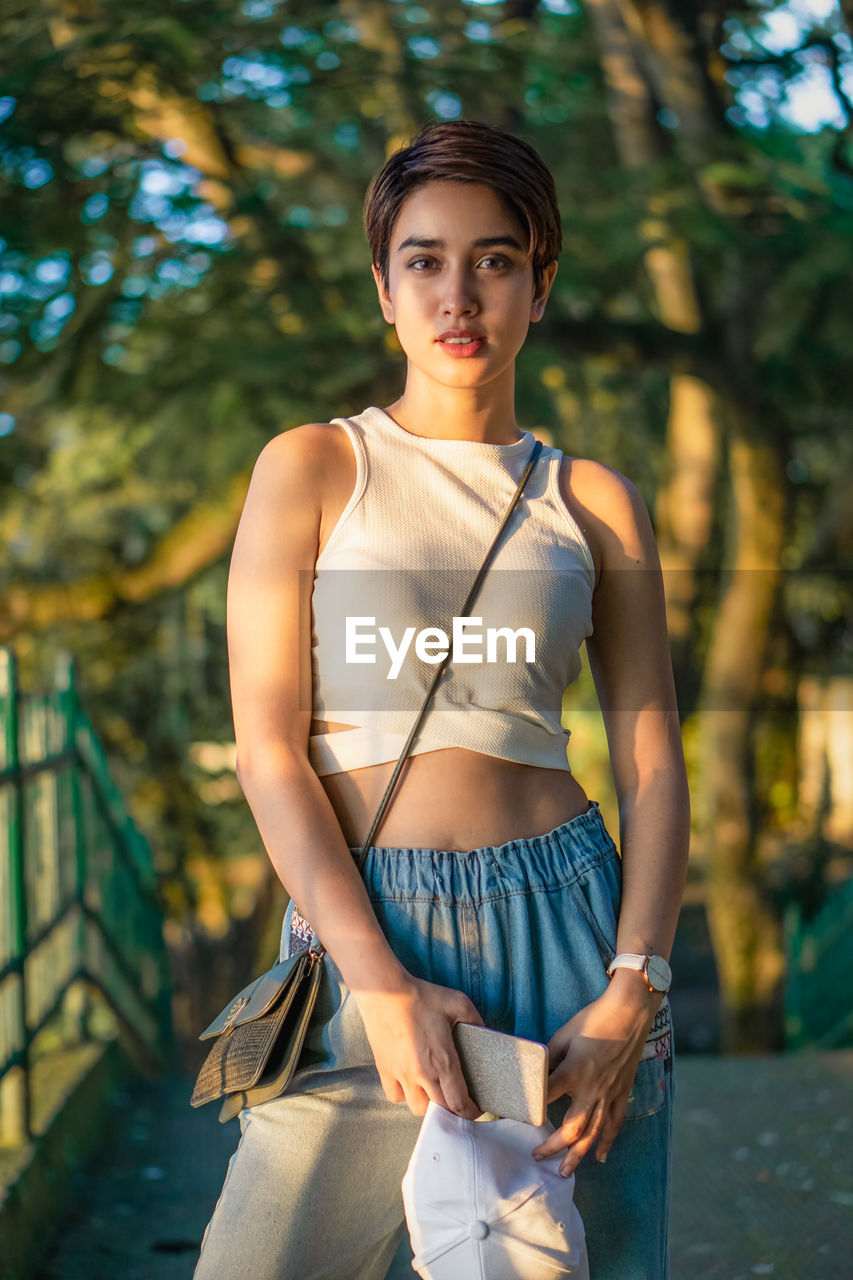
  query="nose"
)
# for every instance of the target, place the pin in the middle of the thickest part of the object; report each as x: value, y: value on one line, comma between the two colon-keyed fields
x: 460, y: 292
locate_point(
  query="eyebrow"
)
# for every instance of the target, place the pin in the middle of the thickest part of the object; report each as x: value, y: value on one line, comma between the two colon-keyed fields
x: 488, y: 242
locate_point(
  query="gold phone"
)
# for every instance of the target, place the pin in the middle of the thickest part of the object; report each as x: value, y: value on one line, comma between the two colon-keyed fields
x: 506, y: 1076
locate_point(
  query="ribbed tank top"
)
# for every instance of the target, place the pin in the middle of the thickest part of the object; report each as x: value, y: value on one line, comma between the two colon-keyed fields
x: 404, y: 554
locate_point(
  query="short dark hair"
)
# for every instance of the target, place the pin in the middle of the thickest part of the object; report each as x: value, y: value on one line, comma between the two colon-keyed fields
x: 467, y: 151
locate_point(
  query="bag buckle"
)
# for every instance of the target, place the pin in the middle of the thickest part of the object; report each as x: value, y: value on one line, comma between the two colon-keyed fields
x: 237, y: 1008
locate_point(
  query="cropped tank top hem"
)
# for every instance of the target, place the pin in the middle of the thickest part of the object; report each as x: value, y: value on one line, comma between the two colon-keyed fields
x: 363, y: 745
x: 427, y: 509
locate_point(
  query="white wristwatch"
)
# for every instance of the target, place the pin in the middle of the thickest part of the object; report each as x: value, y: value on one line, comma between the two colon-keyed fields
x: 655, y: 969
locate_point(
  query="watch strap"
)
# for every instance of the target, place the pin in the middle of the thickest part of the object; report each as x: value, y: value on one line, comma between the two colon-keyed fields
x: 654, y: 968
x: 627, y: 960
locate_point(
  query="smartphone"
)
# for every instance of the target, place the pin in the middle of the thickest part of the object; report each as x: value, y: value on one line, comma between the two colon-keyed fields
x: 506, y: 1076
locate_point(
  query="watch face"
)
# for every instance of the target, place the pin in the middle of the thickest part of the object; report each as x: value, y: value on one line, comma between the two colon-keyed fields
x: 660, y: 974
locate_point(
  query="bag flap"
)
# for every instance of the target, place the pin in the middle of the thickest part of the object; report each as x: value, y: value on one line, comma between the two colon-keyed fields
x: 258, y: 997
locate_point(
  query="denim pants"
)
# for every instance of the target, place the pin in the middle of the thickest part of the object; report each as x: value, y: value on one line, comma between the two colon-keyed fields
x: 526, y: 930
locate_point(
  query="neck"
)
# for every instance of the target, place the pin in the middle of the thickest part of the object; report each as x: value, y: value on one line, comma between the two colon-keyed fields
x: 482, y: 414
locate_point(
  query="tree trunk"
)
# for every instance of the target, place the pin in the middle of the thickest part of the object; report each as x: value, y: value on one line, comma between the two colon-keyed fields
x: 650, y: 61
x: 825, y: 750
x: 683, y: 512
x: 745, y: 930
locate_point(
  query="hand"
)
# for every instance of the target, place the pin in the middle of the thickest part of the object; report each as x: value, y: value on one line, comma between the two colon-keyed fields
x: 593, y: 1057
x: 409, y: 1027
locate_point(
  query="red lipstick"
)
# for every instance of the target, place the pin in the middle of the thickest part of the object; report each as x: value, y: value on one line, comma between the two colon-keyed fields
x: 467, y: 342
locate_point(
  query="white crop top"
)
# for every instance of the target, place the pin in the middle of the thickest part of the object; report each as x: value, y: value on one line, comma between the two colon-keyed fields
x: 400, y: 563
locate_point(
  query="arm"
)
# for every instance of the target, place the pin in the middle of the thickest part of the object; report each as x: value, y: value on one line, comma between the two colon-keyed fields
x: 268, y: 621
x: 632, y: 670
x: 269, y: 637
x: 631, y: 666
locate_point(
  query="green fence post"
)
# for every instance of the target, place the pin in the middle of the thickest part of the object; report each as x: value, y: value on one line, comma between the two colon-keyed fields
x: 17, y: 1109
x: 78, y: 1000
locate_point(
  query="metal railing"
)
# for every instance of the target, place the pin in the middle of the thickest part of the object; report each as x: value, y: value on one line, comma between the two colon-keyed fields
x: 80, y: 917
x: 819, y: 986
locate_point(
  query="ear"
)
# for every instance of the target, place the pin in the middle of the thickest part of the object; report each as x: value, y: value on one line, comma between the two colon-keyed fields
x: 537, y: 306
x: 384, y: 297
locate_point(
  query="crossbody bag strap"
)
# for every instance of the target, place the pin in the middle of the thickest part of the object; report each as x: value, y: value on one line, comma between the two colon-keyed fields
x: 392, y: 781
x: 318, y: 950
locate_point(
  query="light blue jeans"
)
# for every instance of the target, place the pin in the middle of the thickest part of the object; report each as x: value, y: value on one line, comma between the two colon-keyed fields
x: 526, y: 930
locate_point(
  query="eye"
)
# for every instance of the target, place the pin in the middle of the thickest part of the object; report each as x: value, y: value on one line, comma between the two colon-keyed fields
x: 497, y: 259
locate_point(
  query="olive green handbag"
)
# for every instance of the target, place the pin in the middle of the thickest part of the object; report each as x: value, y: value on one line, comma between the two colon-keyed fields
x: 260, y: 1033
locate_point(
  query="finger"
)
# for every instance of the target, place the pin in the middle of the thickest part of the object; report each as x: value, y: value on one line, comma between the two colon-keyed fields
x: 558, y: 1046
x: 468, y: 1013
x: 417, y: 1099
x: 392, y: 1089
x: 456, y: 1091
x: 558, y: 1085
x: 443, y: 1080
x: 452, y: 1097
x: 577, y: 1150
x: 556, y: 1054
x: 574, y: 1124
x: 444, y: 1084
x: 610, y: 1128
x: 443, y: 1094
x: 453, y: 1080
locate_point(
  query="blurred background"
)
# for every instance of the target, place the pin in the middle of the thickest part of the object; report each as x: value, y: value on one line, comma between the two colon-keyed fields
x: 184, y: 274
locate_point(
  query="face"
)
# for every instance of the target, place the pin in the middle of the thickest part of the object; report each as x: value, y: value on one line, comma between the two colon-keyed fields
x: 442, y: 276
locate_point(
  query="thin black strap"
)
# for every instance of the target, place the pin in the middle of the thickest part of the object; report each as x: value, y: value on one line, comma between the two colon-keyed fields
x: 383, y: 803
x: 319, y: 950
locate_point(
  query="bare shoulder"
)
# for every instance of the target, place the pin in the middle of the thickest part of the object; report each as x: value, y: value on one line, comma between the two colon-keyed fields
x: 308, y: 472
x: 611, y: 511
x: 306, y: 461
x: 285, y: 489
x: 305, y: 447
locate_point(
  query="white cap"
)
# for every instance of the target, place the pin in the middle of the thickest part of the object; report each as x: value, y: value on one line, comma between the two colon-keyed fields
x: 477, y: 1203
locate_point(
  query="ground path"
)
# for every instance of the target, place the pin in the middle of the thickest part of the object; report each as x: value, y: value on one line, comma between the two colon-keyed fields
x: 762, y: 1165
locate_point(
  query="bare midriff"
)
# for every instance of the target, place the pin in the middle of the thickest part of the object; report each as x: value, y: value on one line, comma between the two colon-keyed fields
x: 451, y: 799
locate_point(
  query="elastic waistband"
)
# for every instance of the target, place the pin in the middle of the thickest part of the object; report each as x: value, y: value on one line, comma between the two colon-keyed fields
x: 557, y: 857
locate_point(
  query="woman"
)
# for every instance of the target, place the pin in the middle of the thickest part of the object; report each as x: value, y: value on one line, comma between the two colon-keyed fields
x: 497, y: 896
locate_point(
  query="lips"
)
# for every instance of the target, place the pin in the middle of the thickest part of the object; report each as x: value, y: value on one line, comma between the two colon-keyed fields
x: 460, y: 333
x: 461, y: 350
